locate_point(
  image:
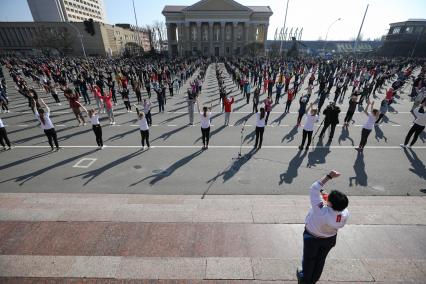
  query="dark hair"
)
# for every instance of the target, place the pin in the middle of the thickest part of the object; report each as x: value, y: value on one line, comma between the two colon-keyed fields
x: 339, y: 201
x: 41, y: 115
x: 262, y: 113
x: 205, y: 111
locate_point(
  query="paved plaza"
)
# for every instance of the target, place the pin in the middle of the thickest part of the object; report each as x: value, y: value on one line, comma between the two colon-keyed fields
x: 178, y: 214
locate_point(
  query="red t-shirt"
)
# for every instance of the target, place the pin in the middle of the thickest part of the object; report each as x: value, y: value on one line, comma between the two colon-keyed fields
x: 228, y: 104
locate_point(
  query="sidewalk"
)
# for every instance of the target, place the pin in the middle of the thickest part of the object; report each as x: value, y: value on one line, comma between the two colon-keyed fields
x: 252, y: 239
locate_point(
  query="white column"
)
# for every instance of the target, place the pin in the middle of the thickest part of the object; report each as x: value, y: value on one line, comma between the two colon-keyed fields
x: 234, y: 37
x: 265, y: 36
x: 222, y: 36
x: 211, y: 38
x: 169, y: 38
x: 246, y: 32
x: 199, y: 38
x: 187, y: 38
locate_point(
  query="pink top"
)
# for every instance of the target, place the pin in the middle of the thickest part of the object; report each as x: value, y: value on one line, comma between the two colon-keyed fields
x: 268, y: 105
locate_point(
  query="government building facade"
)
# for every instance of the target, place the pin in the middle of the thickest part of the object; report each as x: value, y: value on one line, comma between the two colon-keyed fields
x: 215, y: 27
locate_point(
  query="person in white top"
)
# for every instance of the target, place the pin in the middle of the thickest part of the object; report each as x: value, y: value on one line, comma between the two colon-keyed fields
x: 144, y: 127
x: 46, y: 124
x: 96, y: 126
x: 147, y: 110
x: 311, y: 117
x: 3, y: 137
x: 327, y: 215
x: 260, y: 127
x: 418, y: 125
x: 368, y: 125
x: 205, y: 118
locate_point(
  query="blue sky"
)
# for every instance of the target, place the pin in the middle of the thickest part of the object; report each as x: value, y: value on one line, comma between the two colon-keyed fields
x: 314, y: 16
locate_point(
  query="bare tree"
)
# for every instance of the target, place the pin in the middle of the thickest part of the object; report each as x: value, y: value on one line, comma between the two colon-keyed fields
x: 59, y: 39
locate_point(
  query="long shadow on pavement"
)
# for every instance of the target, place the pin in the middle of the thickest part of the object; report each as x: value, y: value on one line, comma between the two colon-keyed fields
x: 290, y: 136
x: 360, y: 178
x: 318, y: 155
x: 91, y: 175
x: 214, y: 132
x: 233, y: 168
x: 293, y: 166
x: 344, y: 135
x: 122, y: 135
x: 169, y: 171
x: 26, y: 177
x: 417, y: 165
x: 24, y: 160
x: 167, y: 135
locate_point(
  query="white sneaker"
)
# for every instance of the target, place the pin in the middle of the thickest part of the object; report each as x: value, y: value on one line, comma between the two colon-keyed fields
x: 403, y: 145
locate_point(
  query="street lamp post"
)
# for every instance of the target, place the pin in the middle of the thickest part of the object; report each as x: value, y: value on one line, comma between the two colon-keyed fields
x: 80, y: 36
x: 326, y: 35
x: 285, y: 19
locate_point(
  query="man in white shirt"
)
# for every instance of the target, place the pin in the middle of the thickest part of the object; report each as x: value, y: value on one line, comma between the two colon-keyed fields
x: 327, y: 215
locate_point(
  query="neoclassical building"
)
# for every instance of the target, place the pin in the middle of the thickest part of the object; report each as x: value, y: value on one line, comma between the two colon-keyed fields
x: 215, y: 27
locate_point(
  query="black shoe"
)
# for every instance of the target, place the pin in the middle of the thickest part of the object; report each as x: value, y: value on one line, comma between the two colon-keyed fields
x: 307, y: 148
x: 299, y: 275
x: 300, y: 147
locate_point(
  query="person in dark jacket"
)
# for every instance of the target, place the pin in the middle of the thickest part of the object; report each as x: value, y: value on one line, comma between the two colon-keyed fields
x: 331, y: 113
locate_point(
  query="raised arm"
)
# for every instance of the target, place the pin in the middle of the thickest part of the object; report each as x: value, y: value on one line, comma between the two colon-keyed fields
x: 309, y: 107
x: 137, y: 110
x: 371, y: 106
x: 316, y: 188
x: 45, y: 105
x: 198, y: 105
x: 82, y: 107
x: 366, y: 108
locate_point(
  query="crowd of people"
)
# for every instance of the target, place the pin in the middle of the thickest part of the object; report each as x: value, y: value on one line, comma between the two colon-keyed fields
x: 84, y: 81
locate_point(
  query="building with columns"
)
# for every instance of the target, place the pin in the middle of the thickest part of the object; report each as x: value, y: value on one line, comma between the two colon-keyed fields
x: 215, y: 27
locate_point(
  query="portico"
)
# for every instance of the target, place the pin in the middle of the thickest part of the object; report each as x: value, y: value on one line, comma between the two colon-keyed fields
x: 215, y: 27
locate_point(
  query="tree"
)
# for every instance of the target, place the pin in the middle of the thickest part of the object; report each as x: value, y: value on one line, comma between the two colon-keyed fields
x: 275, y: 49
x: 254, y: 49
x: 59, y: 39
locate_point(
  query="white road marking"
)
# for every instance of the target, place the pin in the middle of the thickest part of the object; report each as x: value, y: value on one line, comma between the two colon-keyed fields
x: 61, y: 125
x: 84, y: 163
x: 219, y: 147
x: 177, y: 112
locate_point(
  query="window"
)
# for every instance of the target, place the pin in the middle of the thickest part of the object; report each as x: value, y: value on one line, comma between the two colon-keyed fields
x: 396, y: 30
x: 408, y: 30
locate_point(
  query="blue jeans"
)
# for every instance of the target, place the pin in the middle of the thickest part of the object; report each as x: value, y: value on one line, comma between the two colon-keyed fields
x: 315, y: 252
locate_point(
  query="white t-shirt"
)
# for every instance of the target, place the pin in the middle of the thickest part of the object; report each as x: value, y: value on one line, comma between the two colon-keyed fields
x: 310, y: 121
x: 420, y: 117
x: 369, y: 124
x: 260, y: 122
x: 322, y: 221
x: 47, y: 122
x: 143, y: 124
x: 1, y: 123
x: 94, y: 119
x: 205, y: 120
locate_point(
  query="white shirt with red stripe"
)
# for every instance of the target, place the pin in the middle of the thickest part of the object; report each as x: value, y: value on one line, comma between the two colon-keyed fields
x: 322, y: 221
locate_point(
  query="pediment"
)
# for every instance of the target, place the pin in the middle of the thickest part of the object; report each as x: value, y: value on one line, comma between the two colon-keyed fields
x: 217, y: 5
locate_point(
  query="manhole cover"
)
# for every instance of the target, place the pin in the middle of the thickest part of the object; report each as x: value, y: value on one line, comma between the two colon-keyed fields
x: 137, y: 167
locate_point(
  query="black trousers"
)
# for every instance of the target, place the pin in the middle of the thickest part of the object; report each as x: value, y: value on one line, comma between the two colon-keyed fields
x: 416, y: 129
x: 3, y: 137
x: 364, y: 136
x: 304, y: 135
x: 315, y: 251
x: 97, y: 129
x: 205, y: 133
x: 381, y: 115
x: 332, y: 129
x: 255, y: 107
x: 149, y: 118
x: 127, y: 104
x: 287, y: 106
x: 160, y: 106
x: 248, y: 98
x: 145, y: 137
x: 267, y: 116
x: 259, y: 136
x: 349, y: 116
x: 52, y: 137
